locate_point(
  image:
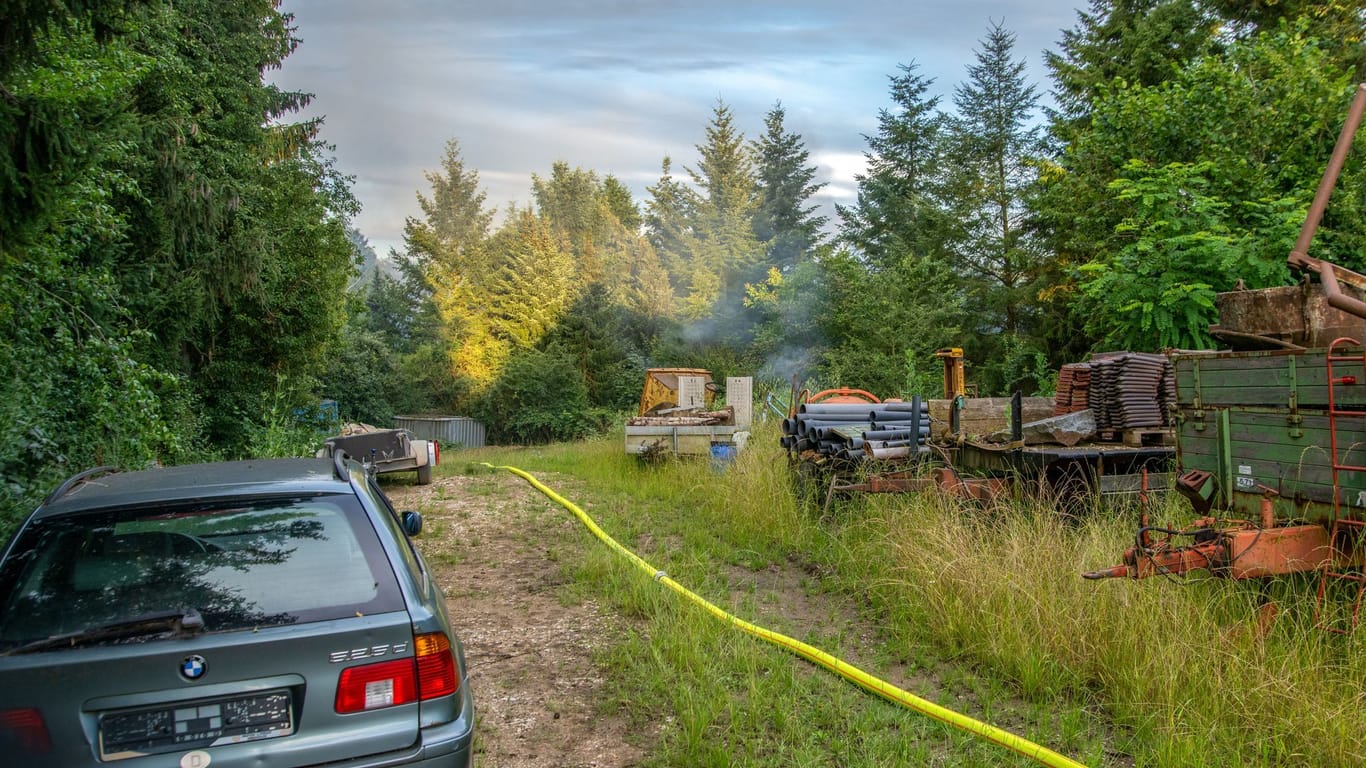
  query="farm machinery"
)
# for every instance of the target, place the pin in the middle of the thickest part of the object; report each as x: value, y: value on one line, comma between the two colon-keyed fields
x: 1271, y: 433
x: 984, y: 448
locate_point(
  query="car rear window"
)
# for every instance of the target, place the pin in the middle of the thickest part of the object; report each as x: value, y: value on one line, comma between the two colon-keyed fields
x: 240, y: 564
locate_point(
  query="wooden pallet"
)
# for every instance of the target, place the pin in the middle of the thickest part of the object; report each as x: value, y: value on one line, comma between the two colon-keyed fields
x: 1138, y: 438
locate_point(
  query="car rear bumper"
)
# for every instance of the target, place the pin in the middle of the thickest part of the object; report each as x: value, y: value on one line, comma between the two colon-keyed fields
x: 451, y: 745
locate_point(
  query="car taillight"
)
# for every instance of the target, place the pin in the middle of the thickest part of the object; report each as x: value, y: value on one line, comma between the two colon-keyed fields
x: 374, y: 686
x: 26, y: 728
x: 435, y: 666
x: 436, y: 453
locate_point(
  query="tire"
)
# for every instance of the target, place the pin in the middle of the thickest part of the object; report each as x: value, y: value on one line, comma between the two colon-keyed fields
x: 424, y: 474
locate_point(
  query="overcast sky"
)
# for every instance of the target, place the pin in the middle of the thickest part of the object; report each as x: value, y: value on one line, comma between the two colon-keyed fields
x: 615, y: 85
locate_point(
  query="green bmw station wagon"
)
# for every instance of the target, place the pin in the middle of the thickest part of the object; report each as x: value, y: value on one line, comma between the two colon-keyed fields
x: 267, y: 613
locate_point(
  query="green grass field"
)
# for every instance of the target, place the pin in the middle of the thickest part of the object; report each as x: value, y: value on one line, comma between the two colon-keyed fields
x: 981, y: 610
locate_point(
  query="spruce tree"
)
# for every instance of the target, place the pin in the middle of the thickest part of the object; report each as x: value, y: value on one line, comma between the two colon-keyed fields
x: 898, y: 209
x: 668, y: 225
x: 996, y: 146
x: 1137, y: 42
x: 456, y: 222
x: 727, y: 252
x: 450, y: 248
x: 895, y: 299
x: 621, y: 204
x: 784, y: 223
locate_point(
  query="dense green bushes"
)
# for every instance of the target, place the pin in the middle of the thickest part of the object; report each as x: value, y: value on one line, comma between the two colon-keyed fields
x: 540, y: 397
x: 172, y: 251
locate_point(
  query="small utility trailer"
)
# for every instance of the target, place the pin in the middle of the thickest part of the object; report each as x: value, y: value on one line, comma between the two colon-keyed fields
x: 673, y: 420
x: 386, y: 450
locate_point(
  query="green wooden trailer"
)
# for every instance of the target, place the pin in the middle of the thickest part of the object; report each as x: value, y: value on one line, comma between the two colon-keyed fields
x: 1259, y: 424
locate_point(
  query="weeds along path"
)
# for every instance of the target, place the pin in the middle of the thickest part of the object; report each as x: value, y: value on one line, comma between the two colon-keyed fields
x: 611, y: 670
x: 539, y: 696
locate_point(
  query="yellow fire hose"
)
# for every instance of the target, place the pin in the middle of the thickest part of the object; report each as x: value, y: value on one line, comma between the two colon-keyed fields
x: 849, y: 672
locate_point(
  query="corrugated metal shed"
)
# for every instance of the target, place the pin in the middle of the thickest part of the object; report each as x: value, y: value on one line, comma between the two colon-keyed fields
x: 450, y: 431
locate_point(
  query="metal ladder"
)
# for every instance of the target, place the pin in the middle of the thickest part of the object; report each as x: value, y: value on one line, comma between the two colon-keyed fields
x: 1346, y: 533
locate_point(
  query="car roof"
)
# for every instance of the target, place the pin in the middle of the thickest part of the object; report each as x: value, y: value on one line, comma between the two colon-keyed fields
x: 188, y: 482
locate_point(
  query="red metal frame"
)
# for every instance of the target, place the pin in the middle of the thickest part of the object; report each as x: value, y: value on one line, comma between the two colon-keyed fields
x: 840, y: 395
x: 1343, y: 525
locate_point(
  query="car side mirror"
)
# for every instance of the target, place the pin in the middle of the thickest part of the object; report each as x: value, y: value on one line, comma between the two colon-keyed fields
x: 412, y: 522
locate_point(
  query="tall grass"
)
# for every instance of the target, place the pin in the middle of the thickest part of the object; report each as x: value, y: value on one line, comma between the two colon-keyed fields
x: 1179, y: 663
x: 1168, y: 673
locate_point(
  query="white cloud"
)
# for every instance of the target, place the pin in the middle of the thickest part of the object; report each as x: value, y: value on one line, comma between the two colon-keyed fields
x: 840, y: 167
x: 615, y: 85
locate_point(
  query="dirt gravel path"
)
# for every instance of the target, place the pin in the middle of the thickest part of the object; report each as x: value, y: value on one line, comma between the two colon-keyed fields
x: 540, y: 699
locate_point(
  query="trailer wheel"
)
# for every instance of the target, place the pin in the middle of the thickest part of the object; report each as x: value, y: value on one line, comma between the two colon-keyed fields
x: 424, y: 474
x: 1070, y: 489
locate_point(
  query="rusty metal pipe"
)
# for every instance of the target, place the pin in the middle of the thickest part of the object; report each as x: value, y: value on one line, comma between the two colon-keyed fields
x: 1144, y: 539
x: 1173, y: 562
x: 1113, y: 572
x: 1330, y: 177
x: 1328, y: 278
x: 1299, y: 255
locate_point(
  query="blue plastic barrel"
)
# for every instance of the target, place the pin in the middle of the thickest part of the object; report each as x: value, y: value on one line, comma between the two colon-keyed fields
x: 722, y: 454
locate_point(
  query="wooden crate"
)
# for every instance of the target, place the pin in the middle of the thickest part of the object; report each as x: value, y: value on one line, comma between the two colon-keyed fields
x: 985, y: 415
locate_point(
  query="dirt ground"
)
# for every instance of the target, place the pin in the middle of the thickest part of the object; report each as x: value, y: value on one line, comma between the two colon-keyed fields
x: 539, y: 697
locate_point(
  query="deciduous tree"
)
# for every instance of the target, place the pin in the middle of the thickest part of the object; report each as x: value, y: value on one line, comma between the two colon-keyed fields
x: 1235, y: 145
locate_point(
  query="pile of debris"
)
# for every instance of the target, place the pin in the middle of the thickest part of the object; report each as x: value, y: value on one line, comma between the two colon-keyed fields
x: 858, y: 431
x: 1123, y: 390
x: 684, y: 417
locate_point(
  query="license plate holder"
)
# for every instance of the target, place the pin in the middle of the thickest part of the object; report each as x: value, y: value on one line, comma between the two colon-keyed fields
x: 196, y: 724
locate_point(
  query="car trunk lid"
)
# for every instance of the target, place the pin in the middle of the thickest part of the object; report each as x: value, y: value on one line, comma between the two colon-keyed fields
x: 262, y: 697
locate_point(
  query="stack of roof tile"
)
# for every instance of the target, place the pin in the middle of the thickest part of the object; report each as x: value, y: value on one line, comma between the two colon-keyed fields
x: 1132, y: 390
x: 1074, y: 384
x: 1102, y: 396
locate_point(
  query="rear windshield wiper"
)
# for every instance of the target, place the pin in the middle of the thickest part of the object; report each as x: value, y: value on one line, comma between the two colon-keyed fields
x: 178, y: 623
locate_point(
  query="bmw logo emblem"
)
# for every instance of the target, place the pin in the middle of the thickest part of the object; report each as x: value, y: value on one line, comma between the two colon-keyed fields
x: 193, y: 667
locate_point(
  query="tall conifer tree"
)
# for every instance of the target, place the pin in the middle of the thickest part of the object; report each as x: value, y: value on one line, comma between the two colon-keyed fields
x: 1139, y: 42
x: 995, y: 154
x: 784, y: 223
x: 899, y: 208
x: 450, y: 246
x: 727, y: 252
x: 668, y: 225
